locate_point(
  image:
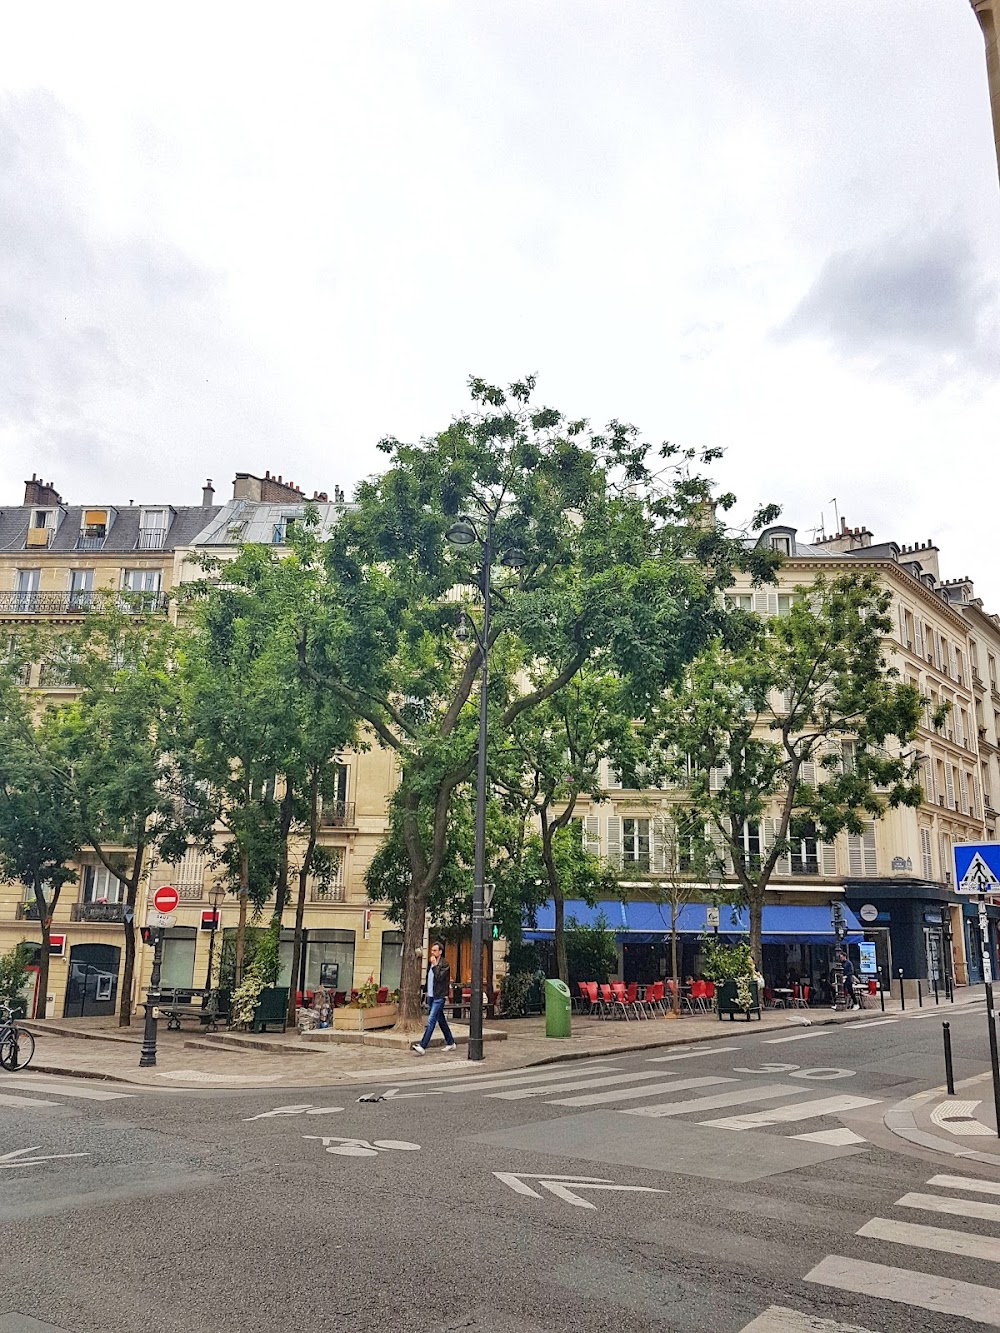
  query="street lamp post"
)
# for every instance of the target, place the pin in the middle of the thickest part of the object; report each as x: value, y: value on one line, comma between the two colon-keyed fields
x: 215, y: 898
x: 464, y: 533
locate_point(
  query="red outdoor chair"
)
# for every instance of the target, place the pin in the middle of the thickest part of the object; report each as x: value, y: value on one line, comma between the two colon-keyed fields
x: 383, y: 995
x: 607, y: 1000
x: 708, y: 996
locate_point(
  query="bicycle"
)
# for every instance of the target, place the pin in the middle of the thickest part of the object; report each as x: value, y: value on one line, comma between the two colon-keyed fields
x: 17, y: 1045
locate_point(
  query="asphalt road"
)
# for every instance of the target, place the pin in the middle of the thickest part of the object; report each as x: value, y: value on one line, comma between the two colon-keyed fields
x: 744, y: 1169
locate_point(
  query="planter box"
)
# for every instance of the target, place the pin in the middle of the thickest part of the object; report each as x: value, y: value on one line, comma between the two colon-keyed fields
x: 365, y: 1020
x: 725, y: 1000
x: 272, y: 1008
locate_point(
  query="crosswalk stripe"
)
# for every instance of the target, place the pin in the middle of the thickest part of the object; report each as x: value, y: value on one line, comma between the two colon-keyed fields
x: 692, y: 1055
x: 968, y: 1244
x: 799, y: 1036
x: 800, y: 1111
x: 965, y: 1183
x: 575, y: 1085
x: 778, y: 1319
x: 514, y: 1077
x: 833, y: 1138
x: 926, y: 1291
x: 25, y: 1101
x: 986, y: 1212
x: 626, y: 1094
x: 64, y: 1089
x: 717, y: 1100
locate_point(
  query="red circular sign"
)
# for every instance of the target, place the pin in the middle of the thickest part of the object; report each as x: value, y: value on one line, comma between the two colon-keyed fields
x: 166, y: 898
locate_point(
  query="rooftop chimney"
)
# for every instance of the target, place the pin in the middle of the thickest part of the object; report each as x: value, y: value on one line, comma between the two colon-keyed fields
x: 41, y: 494
x: 207, y: 494
x: 847, y: 539
x: 268, y: 489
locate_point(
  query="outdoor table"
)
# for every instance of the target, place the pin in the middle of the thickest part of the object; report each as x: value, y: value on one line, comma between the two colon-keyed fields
x: 785, y: 992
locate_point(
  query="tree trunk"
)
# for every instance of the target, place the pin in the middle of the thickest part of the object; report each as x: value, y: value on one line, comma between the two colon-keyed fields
x: 128, y: 929
x: 675, y: 999
x: 756, y: 903
x: 562, y: 962
x: 241, y: 924
x: 412, y: 966
x: 285, y: 828
x: 44, y: 910
x: 300, y: 902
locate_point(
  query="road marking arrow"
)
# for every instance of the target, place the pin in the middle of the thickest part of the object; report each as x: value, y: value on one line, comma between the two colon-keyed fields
x: 7, y: 1161
x: 560, y: 1186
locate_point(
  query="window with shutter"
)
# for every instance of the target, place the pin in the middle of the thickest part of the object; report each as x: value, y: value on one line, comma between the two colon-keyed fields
x: 828, y: 859
x: 614, y: 828
x: 926, y: 862
x: 963, y: 791
x: 807, y: 774
x: 592, y: 835
x: 952, y: 661
x: 870, y: 850
x: 749, y: 842
x: 635, y: 843
x: 918, y: 630
x: 949, y: 786
x: 946, y: 857
x: 765, y: 603
x: 862, y: 857
x: 612, y: 778
x: 716, y: 779
x: 960, y: 725
x: 902, y: 625
x: 804, y: 858
x: 783, y: 863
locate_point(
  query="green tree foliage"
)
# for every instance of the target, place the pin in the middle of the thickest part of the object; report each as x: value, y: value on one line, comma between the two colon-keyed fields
x: 39, y: 828
x: 591, y: 950
x: 14, y: 975
x: 812, y: 688
x: 624, y: 563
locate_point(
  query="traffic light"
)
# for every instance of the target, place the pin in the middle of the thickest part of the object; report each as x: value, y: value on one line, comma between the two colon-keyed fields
x: 146, y: 933
x: 839, y: 920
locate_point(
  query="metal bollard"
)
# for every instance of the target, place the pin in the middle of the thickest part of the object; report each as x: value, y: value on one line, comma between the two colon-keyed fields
x: 949, y: 1071
x: 920, y: 994
x: 881, y: 989
x: 937, y: 998
x: 902, y: 993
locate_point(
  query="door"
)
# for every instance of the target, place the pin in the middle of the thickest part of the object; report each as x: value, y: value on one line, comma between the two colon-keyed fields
x: 391, y: 965
x: 934, y: 949
x: 26, y: 589
x: 92, y: 984
x: 81, y: 589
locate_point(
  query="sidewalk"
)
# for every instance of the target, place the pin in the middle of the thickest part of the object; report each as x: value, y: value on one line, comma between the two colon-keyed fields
x: 98, y: 1049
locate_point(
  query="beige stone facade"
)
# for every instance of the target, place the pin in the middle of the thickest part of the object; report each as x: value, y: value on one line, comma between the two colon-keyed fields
x: 57, y: 561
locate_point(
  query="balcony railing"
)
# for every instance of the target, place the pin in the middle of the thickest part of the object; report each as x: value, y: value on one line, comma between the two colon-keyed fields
x: 78, y: 603
x: 337, y: 814
x: 189, y: 892
x: 151, y: 539
x: 27, y: 911
x: 97, y: 912
x: 91, y: 541
x: 333, y: 894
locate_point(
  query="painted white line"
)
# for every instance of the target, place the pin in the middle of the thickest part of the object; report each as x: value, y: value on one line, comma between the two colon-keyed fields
x: 517, y: 1076
x: 572, y: 1085
x: 957, y: 1118
x: 26, y: 1101
x: 9, y: 1161
x: 965, y: 1243
x: 871, y: 1023
x: 691, y: 1055
x: 834, y: 1138
x: 926, y: 1291
x: 778, y: 1319
x: 625, y: 1094
x: 717, y: 1101
x: 799, y: 1111
x: 986, y: 1212
x: 799, y: 1036
x: 65, y: 1089
x: 965, y: 1183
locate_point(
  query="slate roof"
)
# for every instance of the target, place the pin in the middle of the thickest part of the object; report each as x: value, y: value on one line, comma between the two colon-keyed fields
x: 186, y: 521
x: 255, y: 521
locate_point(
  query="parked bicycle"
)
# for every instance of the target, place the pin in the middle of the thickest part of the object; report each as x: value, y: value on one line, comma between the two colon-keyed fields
x: 17, y: 1045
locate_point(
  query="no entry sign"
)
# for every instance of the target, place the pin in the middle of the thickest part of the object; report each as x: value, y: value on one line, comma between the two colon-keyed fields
x: 166, y: 898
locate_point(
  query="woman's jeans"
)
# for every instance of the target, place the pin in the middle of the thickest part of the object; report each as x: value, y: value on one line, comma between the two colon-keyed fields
x: 435, y: 1017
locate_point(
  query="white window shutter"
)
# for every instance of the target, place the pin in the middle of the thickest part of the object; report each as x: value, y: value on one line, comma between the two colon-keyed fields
x: 870, y: 850
x: 959, y: 728
x: 931, y: 783
x: 963, y: 791
x: 918, y: 630
x: 615, y: 841
x: 926, y: 863
x: 592, y: 835
x: 855, y: 858
x: 658, y: 847
x: 807, y: 774
x: 949, y: 787
x: 716, y: 779
x: 828, y: 859
x: 952, y: 661
x: 902, y: 625
x: 611, y: 777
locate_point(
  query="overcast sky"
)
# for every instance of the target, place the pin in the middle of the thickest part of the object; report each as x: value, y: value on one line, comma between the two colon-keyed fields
x: 241, y: 236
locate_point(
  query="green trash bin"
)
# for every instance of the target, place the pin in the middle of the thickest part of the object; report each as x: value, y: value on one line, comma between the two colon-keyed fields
x: 557, y: 1008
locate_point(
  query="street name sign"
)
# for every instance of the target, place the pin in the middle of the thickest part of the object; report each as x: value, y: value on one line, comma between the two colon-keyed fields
x: 166, y: 898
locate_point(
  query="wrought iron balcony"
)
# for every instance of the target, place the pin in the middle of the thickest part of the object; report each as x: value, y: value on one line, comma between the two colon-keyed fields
x: 90, y: 541
x: 78, y: 603
x: 151, y: 539
x: 27, y: 911
x: 334, y: 894
x: 97, y: 912
x: 337, y: 814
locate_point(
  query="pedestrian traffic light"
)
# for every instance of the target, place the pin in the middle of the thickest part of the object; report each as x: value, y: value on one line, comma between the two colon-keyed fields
x: 146, y: 932
x: 838, y: 919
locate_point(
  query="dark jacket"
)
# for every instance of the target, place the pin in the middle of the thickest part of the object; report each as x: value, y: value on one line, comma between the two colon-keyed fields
x: 442, y: 980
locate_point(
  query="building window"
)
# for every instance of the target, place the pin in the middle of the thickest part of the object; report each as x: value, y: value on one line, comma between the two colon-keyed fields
x: 783, y: 545
x: 926, y: 861
x: 805, y: 852
x: 738, y: 601
x: 785, y: 603
x: 81, y: 589
x: 635, y: 842
x: 747, y: 841
x: 100, y: 886
x: 26, y: 589
x: 142, y: 587
x: 152, y: 529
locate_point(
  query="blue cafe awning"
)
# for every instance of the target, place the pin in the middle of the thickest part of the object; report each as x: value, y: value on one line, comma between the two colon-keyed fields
x: 783, y: 923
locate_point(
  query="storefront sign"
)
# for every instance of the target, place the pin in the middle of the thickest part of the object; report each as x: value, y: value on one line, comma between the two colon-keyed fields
x: 933, y: 918
x: 868, y: 967
x: 869, y: 912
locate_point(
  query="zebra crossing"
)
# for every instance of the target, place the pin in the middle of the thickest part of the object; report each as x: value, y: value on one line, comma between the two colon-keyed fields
x: 923, y: 1287
x: 29, y: 1092
x: 671, y: 1086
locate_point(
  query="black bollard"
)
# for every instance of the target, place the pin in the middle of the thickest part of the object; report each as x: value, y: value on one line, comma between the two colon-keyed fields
x: 920, y: 994
x: 902, y: 993
x: 937, y: 997
x: 881, y: 989
x: 949, y: 1071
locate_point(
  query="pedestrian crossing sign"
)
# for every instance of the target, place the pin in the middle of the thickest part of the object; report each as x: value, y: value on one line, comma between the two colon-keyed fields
x: 977, y: 867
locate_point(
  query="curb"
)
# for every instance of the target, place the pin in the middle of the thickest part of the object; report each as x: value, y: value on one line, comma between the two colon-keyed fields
x: 901, y: 1121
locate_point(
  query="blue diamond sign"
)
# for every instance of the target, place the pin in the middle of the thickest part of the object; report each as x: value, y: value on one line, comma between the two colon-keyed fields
x: 977, y: 867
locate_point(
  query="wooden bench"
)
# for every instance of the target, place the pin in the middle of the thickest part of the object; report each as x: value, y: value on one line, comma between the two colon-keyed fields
x: 178, y: 1003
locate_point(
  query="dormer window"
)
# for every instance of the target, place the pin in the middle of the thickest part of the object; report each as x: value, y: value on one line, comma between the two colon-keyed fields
x: 152, y: 529
x: 94, y: 530
x: 782, y: 544
x: 41, y: 527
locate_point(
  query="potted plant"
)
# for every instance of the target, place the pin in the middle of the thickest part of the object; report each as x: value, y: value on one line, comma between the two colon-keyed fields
x: 731, y: 968
x: 364, y: 1013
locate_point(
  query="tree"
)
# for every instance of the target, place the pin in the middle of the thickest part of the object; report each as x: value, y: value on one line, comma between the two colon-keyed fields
x: 622, y: 561
x: 115, y: 745
x: 800, y: 735
x: 14, y: 974
x: 39, y: 829
x: 591, y: 950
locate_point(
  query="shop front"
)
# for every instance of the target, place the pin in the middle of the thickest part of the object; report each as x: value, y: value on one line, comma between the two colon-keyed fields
x: 919, y: 929
x: 972, y: 939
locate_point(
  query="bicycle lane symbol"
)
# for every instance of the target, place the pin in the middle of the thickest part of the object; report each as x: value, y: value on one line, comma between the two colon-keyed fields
x: 361, y: 1147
